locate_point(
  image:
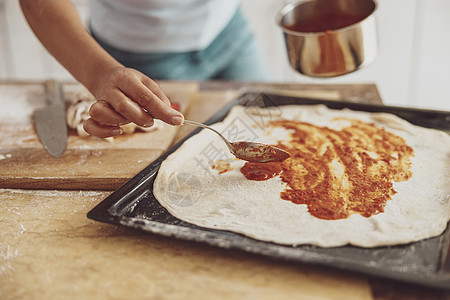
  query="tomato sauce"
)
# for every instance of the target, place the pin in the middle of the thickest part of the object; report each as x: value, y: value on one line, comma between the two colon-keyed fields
x: 325, y: 22
x: 261, y: 171
x: 337, y: 173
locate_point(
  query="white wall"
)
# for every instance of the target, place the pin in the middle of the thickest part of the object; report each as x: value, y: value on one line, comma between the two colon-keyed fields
x: 411, y: 69
x: 429, y: 85
x: 413, y: 64
x: 22, y: 57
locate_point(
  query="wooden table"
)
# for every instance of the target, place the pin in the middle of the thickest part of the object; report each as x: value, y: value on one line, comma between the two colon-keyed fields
x: 50, y: 250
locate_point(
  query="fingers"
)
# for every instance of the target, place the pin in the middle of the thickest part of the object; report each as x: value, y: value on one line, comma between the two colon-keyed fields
x: 155, y: 105
x: 166, y: 113
x: 125, y: 107
x: 102, y: 131
x: 104, y: 114
x: 147, y: 94
x: 129, y: 96
x: 153, y: 86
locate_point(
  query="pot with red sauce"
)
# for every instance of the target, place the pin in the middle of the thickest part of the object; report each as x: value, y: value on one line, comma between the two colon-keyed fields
x: 328, y: 38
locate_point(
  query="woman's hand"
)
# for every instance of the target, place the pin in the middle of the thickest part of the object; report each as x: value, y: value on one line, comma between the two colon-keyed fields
x: 124, y: 96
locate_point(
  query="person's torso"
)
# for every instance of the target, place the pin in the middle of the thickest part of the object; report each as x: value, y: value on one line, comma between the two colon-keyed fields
x: 160, y: 25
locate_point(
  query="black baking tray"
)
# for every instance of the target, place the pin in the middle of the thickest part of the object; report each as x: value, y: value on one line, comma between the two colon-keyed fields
x: 425, y: 262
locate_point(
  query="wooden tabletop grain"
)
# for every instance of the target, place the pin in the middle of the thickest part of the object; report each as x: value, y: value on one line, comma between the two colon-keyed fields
x: 50, y: 250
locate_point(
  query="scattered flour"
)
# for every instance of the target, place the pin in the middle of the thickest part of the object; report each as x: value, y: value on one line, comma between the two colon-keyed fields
x: 18, y: 101
x: 8, y: 155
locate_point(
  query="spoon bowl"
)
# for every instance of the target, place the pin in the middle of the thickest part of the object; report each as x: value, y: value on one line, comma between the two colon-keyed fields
x: 249, y: 151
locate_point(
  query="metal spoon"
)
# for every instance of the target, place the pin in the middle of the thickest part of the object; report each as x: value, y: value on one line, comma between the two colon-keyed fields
x: 249, y: 151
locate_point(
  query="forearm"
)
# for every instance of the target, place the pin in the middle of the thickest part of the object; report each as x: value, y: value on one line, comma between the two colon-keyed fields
x: 59, y: 27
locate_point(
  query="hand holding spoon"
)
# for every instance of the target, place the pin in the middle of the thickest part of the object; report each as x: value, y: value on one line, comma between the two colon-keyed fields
x: 249, y: 151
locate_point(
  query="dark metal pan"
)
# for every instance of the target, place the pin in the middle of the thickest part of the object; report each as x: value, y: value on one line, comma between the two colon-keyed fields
x: 425, y: 262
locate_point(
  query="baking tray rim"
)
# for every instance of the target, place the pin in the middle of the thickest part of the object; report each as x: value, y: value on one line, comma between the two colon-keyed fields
x: 107, y: 210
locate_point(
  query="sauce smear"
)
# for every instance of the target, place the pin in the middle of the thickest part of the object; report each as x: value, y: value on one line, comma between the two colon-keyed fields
x: 261, y: 171
x: 337, y: 173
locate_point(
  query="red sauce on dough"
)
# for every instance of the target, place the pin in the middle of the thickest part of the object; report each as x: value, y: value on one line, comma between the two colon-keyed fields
x: 337, y: 173
x: 261, y: 171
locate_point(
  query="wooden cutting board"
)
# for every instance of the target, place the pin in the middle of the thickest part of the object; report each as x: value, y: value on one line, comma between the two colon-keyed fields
x: 87, y: 163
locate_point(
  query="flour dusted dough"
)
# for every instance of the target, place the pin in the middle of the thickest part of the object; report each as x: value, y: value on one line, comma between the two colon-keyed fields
x: 192, y: 190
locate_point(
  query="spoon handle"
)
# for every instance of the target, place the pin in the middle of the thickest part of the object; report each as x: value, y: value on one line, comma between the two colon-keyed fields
x: 187, y: 122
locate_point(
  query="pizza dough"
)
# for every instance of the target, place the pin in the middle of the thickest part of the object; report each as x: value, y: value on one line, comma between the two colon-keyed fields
x: 202, y: 183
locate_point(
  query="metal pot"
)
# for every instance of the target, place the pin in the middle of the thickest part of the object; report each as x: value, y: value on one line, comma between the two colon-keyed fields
x: 328, y: 38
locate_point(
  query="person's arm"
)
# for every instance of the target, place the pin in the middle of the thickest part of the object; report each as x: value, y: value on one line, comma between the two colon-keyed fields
x: 123, y: 95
